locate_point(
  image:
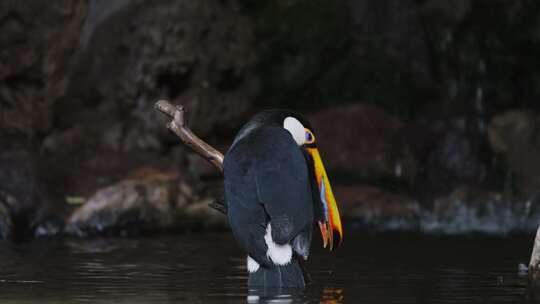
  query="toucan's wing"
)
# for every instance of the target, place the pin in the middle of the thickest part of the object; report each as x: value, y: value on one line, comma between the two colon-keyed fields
x: 247, y: 217
x: 249, y: 227
x: 283, y: 186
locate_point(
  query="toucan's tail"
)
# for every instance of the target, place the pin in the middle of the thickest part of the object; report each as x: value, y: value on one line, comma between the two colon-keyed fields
x: 287, y: 276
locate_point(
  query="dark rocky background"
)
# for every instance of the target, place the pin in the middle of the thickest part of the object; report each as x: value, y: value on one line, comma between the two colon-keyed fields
x: 426, y: 111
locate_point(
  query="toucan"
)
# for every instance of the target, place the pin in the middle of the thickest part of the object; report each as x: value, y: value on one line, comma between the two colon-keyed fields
x: 276, y: 191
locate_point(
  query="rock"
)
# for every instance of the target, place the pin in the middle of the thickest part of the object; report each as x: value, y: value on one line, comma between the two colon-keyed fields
x: 130, y: 54
x: 38, y: 43
x: 18, y: 180
x: 401, y: 169
x: 515, y: 136
x: 48, y: 225
x: 475, y: 210
x: 464, y: 211
x: 23, y: 194
x: 372, y: 208
x: 449, y: 154
x: 149, y: 201
x: 133, y: 53
x: 78, y: 80
x: 361, y: 141
x: 469, y: 210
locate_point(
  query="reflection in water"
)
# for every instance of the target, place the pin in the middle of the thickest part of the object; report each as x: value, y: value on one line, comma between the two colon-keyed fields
x: 275, y: 295
x: 332, y: 295
x: 329, y: 295
x: 209, y: 268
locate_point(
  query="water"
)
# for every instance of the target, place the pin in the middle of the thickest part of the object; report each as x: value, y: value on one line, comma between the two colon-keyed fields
x: 209, y: 268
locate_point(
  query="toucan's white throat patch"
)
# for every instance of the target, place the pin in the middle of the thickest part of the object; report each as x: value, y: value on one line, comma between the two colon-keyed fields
x: 279, y: 254
x: 252, y: 265
x: 296, y: 129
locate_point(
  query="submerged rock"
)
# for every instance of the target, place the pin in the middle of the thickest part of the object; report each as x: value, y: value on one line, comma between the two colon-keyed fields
x: 154, y: 202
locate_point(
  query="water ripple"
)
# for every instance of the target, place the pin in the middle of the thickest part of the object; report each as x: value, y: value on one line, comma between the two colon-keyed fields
x: 211, y: 269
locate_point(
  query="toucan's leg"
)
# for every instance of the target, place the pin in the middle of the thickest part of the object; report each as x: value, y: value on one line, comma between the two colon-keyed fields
x: 286, y: 276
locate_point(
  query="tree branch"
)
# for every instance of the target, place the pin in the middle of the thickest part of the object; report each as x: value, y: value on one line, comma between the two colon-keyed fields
x: 179, y: 126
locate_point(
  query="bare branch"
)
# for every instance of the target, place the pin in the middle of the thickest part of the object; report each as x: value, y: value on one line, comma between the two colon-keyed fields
x: 179, y: 126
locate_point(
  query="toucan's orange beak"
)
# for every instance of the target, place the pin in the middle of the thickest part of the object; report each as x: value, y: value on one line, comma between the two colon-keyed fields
x: 332, y: 221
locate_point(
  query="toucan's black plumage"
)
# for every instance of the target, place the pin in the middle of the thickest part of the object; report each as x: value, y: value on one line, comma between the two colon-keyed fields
x: 270, y: 191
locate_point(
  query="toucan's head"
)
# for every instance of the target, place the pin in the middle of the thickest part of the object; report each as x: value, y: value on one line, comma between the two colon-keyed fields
x: 325, y: 207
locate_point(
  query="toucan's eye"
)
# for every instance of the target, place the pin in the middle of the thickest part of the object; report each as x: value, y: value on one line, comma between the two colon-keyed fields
x: 310, y: 138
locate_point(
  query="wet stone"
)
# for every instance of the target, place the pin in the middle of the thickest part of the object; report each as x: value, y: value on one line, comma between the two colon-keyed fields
x: 157, y: 202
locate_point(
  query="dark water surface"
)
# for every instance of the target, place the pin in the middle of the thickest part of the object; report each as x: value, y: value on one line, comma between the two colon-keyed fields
x: 209, y: 268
